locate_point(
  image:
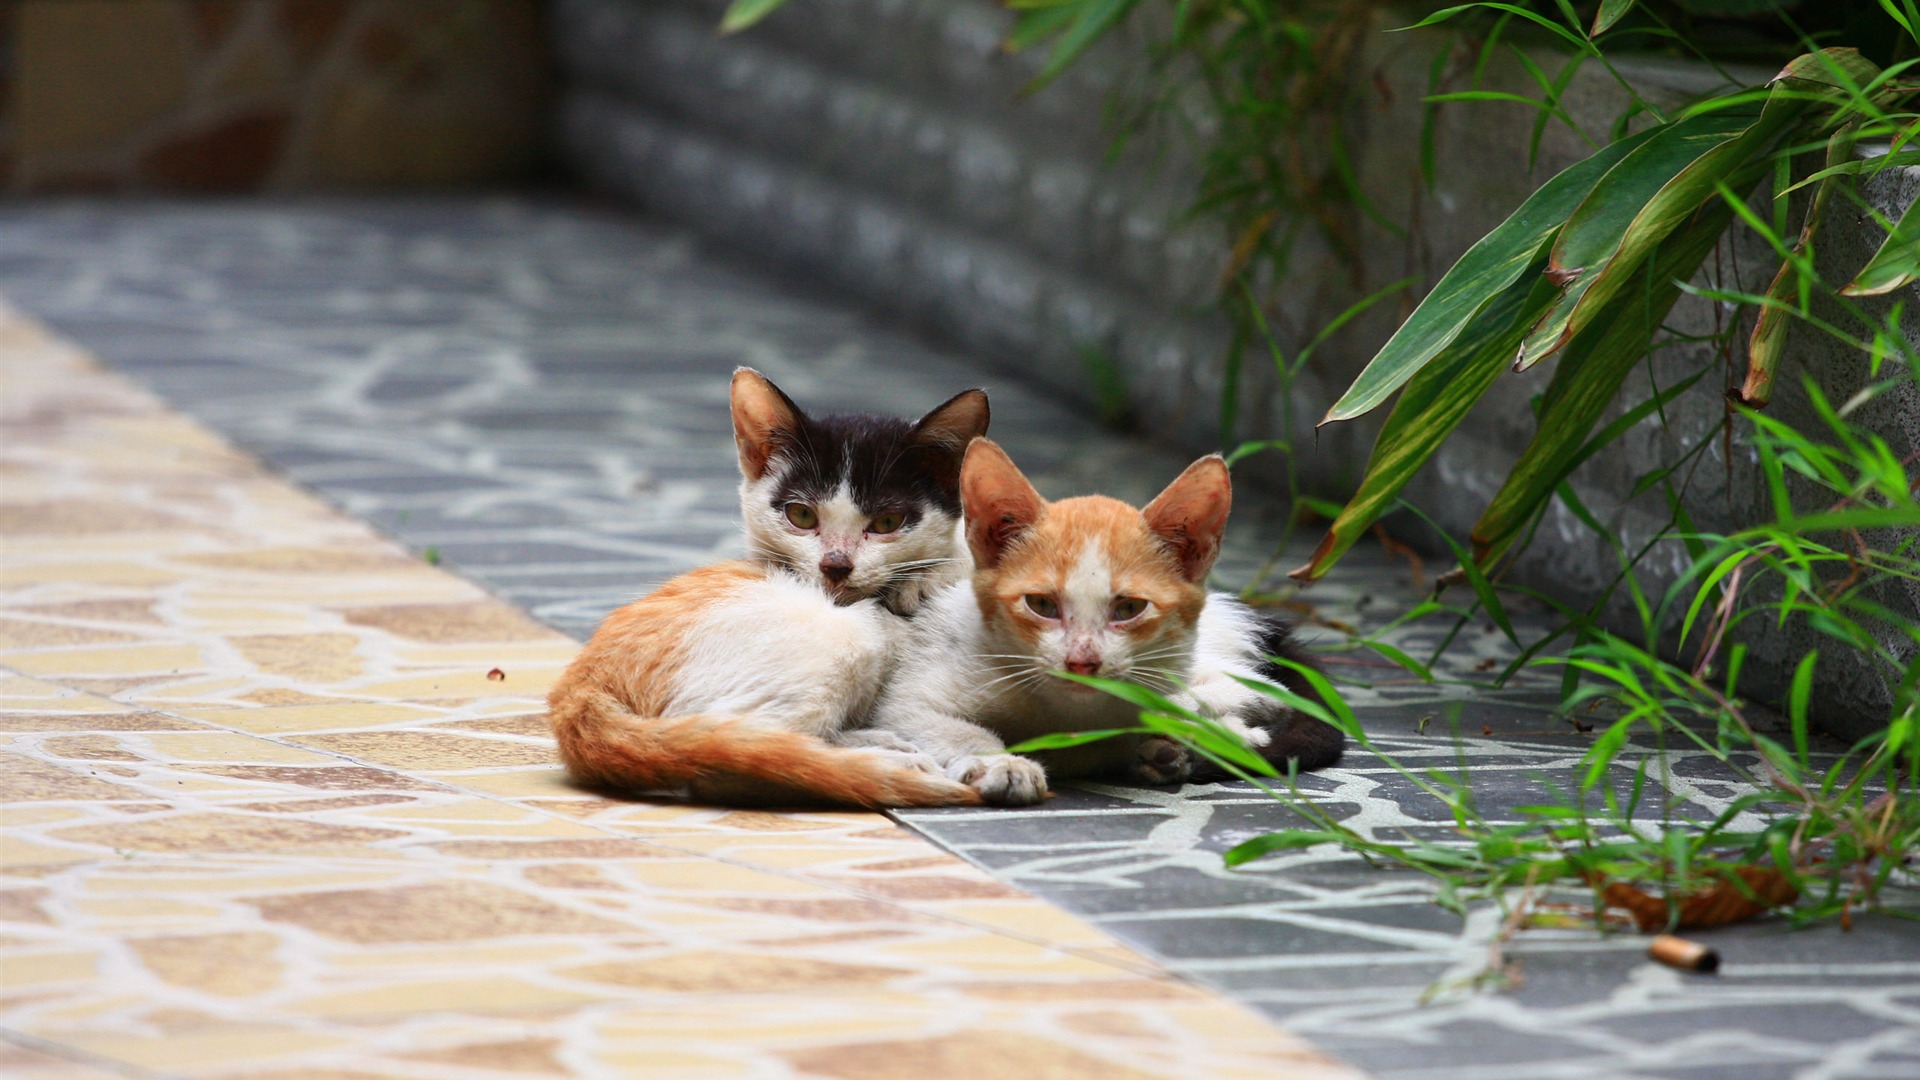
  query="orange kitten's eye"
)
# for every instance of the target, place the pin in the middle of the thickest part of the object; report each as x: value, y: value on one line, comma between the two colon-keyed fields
x: 1044, y: 606
x: 1126, y: 609
x: 802, y: 516
x: 885, y: 524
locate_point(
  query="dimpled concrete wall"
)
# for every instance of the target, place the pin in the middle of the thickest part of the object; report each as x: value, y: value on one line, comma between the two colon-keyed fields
x: 884, y: 148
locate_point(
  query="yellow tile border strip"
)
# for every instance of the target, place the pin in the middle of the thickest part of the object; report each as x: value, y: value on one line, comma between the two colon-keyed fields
x: 265, y: 815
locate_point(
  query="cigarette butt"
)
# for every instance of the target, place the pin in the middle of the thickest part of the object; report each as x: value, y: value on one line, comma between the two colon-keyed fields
x: 1678, y: 952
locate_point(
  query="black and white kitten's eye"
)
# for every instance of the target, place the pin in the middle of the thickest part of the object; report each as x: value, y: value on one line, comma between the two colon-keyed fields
x: 1126, y: 609
x: 1042, y: 605
x: 886, y: 523
x: 802, y: 516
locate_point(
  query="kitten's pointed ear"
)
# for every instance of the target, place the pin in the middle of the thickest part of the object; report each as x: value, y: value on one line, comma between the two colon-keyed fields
x: 1000, y: 504
x: 956, y: 422
x: 1190, y: 516
x: 764, y: 420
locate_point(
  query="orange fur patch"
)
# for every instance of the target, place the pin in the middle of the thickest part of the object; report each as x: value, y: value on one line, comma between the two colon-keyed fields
x: 1041, y: 559
x: 606, y: 715
x: 635, y: 650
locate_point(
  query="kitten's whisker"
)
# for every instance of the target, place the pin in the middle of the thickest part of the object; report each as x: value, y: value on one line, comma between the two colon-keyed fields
x: 1026, y: 671
x: 1163, y: 653
x: 1023, y: 676
x: 1032, y: 679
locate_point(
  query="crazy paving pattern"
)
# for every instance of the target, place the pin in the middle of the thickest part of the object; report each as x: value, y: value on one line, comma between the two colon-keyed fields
x: 278, y: 802
x: 535, y: 394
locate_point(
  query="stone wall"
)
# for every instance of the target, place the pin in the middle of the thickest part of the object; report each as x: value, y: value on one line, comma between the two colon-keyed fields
x: 886, y: 147
x: 228, y: 95
x: 882, y: 146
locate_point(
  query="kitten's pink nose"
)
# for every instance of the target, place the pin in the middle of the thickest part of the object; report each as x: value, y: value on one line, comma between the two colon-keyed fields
x: 836, y: 565
x: 1083, y: 667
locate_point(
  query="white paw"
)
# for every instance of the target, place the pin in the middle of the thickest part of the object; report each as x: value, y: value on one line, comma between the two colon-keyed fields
x: 1159, y: 760
x: 1250, y: 732
x: 1002, y: 779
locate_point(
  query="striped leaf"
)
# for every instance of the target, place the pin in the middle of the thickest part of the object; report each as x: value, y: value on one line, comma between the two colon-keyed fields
x: 1655, y: 191
x: 1488, y: 268
x: 1611, y: 11
x: 1896, y: 264
x: 1769, y: 336
x: 1589, y: 377
x: 1434, y: 402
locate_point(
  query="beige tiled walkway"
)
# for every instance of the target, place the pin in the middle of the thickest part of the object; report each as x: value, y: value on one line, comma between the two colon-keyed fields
x: 278, y: 802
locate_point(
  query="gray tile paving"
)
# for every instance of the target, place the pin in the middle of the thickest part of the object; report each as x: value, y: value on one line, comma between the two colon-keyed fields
x: 535, y: 391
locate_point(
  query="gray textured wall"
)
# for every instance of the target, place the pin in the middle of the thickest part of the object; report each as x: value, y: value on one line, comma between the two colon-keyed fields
x: 883, y: 148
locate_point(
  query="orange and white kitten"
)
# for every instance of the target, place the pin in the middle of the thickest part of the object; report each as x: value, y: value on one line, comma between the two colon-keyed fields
x: 743, y: 682
x: 1095, y: 587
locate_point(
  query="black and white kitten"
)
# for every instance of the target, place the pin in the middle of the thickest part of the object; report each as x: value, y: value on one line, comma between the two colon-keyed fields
x: 745, y: 681
x: 860, y: 505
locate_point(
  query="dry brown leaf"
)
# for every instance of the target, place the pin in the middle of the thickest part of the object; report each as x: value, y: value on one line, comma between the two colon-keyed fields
x: 1716, y: 905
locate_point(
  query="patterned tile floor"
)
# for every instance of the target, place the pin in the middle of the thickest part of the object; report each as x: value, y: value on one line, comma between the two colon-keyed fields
x: 535, y: 394
x: 278, y: 802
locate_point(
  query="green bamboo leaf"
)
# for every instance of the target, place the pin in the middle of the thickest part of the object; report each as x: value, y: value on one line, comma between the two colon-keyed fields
x: 1873, y: 518
x: 1769, y: 336
x: 1798, y: 695
x: 1706, y: 591
x: 1896, y: 264
x: 1871, y: 167
x: 1489, y: 267
x: 1611, y: 11
x: 1588, y: 378
x: 1094, y: 18
x: 1060, y: 739
x: 1131, y: 693
x: 744, y: 13
x: 1032, y: 27
x: 1249, y: 850
x: 1214, y: 741
x: 1433, y: 403
x: 1483, y: 589
x: 1258, y: 446
x: 1566, y: 35
x: 1398, y: 656
x: 1644, y: 199
x: 1333, y: 708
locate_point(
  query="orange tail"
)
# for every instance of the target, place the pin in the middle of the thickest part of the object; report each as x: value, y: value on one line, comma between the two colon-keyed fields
x: 731, y: 761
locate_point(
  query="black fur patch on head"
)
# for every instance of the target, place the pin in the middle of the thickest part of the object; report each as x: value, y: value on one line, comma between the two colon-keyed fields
x: 1295, y: 736
x: 886, y: 469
